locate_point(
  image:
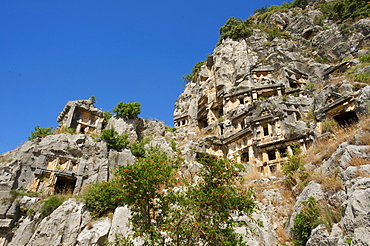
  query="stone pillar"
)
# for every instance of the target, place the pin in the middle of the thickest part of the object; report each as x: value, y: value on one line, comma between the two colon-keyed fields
x: 78, y: 186
x: 252, y: 159
x: 279, y: 92
x: 254, y: 96
x: 70, y: 116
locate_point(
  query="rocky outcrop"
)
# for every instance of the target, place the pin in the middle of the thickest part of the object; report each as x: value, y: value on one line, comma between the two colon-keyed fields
x: 254, y: 100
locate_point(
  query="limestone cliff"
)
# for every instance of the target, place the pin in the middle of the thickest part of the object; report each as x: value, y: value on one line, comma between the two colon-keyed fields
x: 254, y: 99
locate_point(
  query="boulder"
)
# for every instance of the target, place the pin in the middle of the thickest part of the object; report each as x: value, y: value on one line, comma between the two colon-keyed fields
x: 95, y: 233
x: 62, y: 226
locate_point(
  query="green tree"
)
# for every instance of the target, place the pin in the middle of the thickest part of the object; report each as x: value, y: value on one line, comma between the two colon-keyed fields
x: 299, y: 3
x: 305, y: 221
x: 144, y: 184
x: 40, y: 132
x: 293, y: 168
x: 114, y: 140
x: 236, y: 29
x: 103, y: 197
x: 345, y: 10
x: 127, y: 110
x: 204, y: 214
x: 137, y: 149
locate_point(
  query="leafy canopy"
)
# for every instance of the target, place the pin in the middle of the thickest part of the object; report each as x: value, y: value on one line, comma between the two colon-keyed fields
x: 206, y: 210
x: 344, y: 10
x: 103, y: 197
x: 236, y: 29
x: 40, y: 132
x: 144, y: 184
x: 129, y: 110
x: 114, y: 140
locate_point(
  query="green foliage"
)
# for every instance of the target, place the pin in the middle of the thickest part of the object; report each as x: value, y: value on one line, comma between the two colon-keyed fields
x: 16, y: 193
x: 345, y: 10
x: 299, y: 3
x: 322, y: 60
x: 365, y: 58
x: 305, y: 221
x: 93, y: 99
x: 173, y: 144
x: 107, y: 115
x: 348, y: 241
x: 329, y: 125
x: 144, y: 184
x: 362, y: 77
x: 194, y: 74
x: 65, y: 130
x: 114, y: 140
x: 193, y: 214
x: 51, y: 204
x: 293, y: 168
x: 40, y: 132
x: 273, y: 32
x: 129, y: 110
x: 205, y: 212
x: 137, y: 149
x: 236, y: 29
x: 103, y: 197
x: 265, y: 12
x: 170, y: 129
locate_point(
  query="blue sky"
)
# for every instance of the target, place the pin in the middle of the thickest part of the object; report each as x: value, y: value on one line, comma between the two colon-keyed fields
x: 130, y: 51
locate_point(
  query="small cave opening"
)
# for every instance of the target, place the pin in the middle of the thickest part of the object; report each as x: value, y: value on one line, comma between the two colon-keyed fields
x: 202, y: 123
x: 271, y: 155
x: 346, y: 118
x: 244, y: 157
x: 64, y: 185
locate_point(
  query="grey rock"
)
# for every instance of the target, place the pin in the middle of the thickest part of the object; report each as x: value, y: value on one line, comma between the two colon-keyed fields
x: 24, y: 233
x: 314, y: 190
x: 356, y: 220
x: 319, y: 237
x: 95, y: 234
x: 60, y: 227
x: 120, y: 223
x: 154, y: 128
x: 123, y: 158
x: 131, y: 127
x: 363, y: 26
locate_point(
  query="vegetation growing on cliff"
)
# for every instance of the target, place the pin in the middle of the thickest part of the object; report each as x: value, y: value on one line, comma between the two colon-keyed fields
x: 40, y: 132
x: 194, y: 73
x: 167, y: 209
x: 114, y: 140
x: 345, y: 10
x: 236, y: 29
x: 129, y: 110
x: 305, y: 221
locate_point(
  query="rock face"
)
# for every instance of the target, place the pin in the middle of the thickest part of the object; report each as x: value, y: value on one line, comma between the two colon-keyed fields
x: 254, y: 100
x: 258, y: 96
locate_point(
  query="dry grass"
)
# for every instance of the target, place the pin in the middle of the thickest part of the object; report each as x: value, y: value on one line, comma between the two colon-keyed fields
x: 282, y: 238
x: 329, y: 184
x: 89, y: 225
x: 358, y: 161
x: 363, y: 174
x: 253, y: 175
x: 324, y: 148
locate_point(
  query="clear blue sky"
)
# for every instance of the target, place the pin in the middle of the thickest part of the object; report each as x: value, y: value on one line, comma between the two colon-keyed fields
x: 132, y: 51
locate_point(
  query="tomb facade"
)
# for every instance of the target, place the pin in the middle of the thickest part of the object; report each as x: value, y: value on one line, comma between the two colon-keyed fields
x: 81, y: 116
